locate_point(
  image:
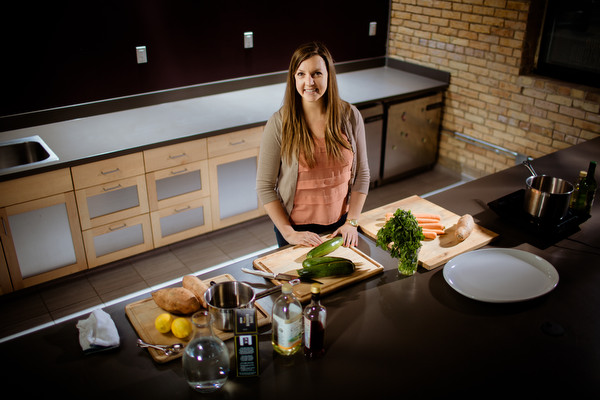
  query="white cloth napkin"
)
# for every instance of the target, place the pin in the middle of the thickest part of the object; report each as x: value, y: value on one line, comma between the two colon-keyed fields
x: 97, y: 332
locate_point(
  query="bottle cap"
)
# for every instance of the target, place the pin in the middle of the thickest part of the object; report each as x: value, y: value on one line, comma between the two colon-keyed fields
x: 583, y: 174
x: 286, y: 288
x: 315, y: 288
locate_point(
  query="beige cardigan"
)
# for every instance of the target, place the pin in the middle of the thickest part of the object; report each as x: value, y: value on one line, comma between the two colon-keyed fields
x: 277, y: 180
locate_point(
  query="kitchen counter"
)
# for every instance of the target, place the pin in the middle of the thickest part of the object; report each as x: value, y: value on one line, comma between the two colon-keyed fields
x: 88, y: 139
x: 388, y: 336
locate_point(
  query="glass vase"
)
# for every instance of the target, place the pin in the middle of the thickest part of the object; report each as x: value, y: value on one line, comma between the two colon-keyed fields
x: 408, y: 265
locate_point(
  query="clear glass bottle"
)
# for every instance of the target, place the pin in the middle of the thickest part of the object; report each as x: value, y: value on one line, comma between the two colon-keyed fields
x: 315, y: 317
x: 205, y: 359
x: 287, y: 322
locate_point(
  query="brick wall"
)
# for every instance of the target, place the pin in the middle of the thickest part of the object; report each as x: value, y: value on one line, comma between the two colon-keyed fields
x: 482, y: 43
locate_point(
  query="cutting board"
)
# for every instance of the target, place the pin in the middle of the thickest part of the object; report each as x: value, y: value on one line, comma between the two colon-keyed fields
x: 142, y: 314
x: 437, y: 251
x: 289, y: 259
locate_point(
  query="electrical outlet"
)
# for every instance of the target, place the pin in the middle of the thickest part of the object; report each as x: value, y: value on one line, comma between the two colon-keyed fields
x: 372, y: 28
x: 140, y: 52
x: 248, y: 40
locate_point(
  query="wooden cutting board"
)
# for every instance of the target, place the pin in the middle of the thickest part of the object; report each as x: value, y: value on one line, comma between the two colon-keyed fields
x: 142, y: 314
x: 439, y: 250
x: 290, y: 259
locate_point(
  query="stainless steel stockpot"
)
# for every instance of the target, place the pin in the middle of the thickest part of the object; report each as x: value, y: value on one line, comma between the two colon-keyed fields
x: 224, y: 298
x: 547, y: 197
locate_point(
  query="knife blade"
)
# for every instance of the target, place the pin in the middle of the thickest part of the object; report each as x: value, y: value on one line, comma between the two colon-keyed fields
x: 283, y: 277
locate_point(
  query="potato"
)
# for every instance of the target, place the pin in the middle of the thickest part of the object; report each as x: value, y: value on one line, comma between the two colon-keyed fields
x: 176, y: 300
x: 196, y: 286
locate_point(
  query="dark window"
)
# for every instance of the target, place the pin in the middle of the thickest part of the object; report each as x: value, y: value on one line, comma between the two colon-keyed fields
x: 570, y: 44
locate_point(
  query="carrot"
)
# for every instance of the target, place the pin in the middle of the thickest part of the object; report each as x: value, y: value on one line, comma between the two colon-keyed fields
x: 427, y: 220
x: 464, y: 227
x: 436, y: 231
x: 388, y: 216
x: 427, y: 216
x: 429, y: 234
x: 432, y: 226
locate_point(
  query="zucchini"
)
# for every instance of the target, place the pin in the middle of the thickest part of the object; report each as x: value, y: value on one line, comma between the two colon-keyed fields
x: 318, y: 267
x: 325, y: 247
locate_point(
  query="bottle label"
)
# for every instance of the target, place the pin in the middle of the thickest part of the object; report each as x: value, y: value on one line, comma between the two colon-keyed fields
x: 289, y: 332
x: 307, y: 342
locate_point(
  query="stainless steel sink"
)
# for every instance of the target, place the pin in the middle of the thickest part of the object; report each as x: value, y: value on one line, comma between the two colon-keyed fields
x: 28, y: 151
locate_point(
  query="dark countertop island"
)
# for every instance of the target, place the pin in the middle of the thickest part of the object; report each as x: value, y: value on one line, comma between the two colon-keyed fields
x: 388, y: 336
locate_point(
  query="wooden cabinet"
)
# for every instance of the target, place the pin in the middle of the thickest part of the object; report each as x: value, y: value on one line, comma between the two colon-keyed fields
x: 113, y: 208
x: 5, y: 283
x: 179, y: 193
x: 61, y: 222
x: 40, y: 230
x: 232, y: 163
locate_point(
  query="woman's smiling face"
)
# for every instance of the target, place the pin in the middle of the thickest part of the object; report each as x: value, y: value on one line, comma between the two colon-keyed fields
x: 311, y: 79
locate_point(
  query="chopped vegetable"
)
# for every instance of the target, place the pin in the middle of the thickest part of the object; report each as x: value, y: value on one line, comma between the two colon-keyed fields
x: 401, y: 236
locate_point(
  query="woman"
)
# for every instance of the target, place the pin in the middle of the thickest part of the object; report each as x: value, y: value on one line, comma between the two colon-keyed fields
x: 313, y: 174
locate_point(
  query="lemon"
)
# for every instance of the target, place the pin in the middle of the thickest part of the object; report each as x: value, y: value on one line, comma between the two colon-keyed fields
x: 181, y: 327
x: 163, y: 322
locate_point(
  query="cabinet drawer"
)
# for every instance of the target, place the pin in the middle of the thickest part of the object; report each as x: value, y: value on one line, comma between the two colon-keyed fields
x: 112, y: 201
x: 182, y: 221
x: 177, y: 154
x: 35, y: 187
x: 179, y: 184
x: 104, y: 171
x: 234, y: 141
x: 122, y: 239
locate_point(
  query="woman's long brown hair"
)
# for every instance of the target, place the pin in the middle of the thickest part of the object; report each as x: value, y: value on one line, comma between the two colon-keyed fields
x: 296, y: 137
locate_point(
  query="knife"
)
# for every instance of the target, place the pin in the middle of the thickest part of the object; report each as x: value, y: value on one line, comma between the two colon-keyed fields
x: 283, y: 277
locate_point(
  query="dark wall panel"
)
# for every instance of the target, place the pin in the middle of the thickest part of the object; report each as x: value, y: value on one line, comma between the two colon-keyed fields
x: 69, y: 52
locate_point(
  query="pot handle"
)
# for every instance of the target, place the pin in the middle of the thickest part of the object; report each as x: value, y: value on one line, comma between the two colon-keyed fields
x: 268, y: 292
x: 527, y: 164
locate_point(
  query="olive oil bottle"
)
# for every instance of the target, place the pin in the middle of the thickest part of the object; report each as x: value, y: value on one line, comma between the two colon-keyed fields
x: 287, y: 322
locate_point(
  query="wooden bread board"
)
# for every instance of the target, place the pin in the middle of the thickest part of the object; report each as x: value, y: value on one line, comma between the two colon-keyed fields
x: 290, y: 259
x: 434, y: 252
x: 142, y: 314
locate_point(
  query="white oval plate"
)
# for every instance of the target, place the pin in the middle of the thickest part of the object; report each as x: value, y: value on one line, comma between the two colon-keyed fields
x: 500, y: 275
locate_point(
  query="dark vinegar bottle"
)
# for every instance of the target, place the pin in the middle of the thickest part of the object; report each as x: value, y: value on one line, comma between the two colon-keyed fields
x: 315, y: 316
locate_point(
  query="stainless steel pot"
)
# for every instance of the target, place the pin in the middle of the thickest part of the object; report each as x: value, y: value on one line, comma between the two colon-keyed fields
x: 224, y: 298
x: 546, y: 197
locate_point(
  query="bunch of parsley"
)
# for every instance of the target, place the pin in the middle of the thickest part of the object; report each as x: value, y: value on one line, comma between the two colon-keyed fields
x: 401, y: 236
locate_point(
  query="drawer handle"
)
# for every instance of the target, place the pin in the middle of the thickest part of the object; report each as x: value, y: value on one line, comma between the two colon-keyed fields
x: 112, y: 171
x: 116, y: 228
x: 177, y: 156
x: 177, y: 210
x: 179, y: 172
x: 111, y: 188
x: 237, y: 143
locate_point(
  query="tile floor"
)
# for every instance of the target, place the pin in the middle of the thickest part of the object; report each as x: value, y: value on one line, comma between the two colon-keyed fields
x: 34, y: 308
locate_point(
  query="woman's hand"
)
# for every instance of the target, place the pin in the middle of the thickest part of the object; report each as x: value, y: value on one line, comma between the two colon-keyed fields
x: 304, y: 238
x: 349, y: 233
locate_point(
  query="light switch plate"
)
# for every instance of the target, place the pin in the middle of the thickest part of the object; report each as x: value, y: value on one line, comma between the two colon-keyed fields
x: 248, y: 40
x: 372, y: 28
x: 140, y: 52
